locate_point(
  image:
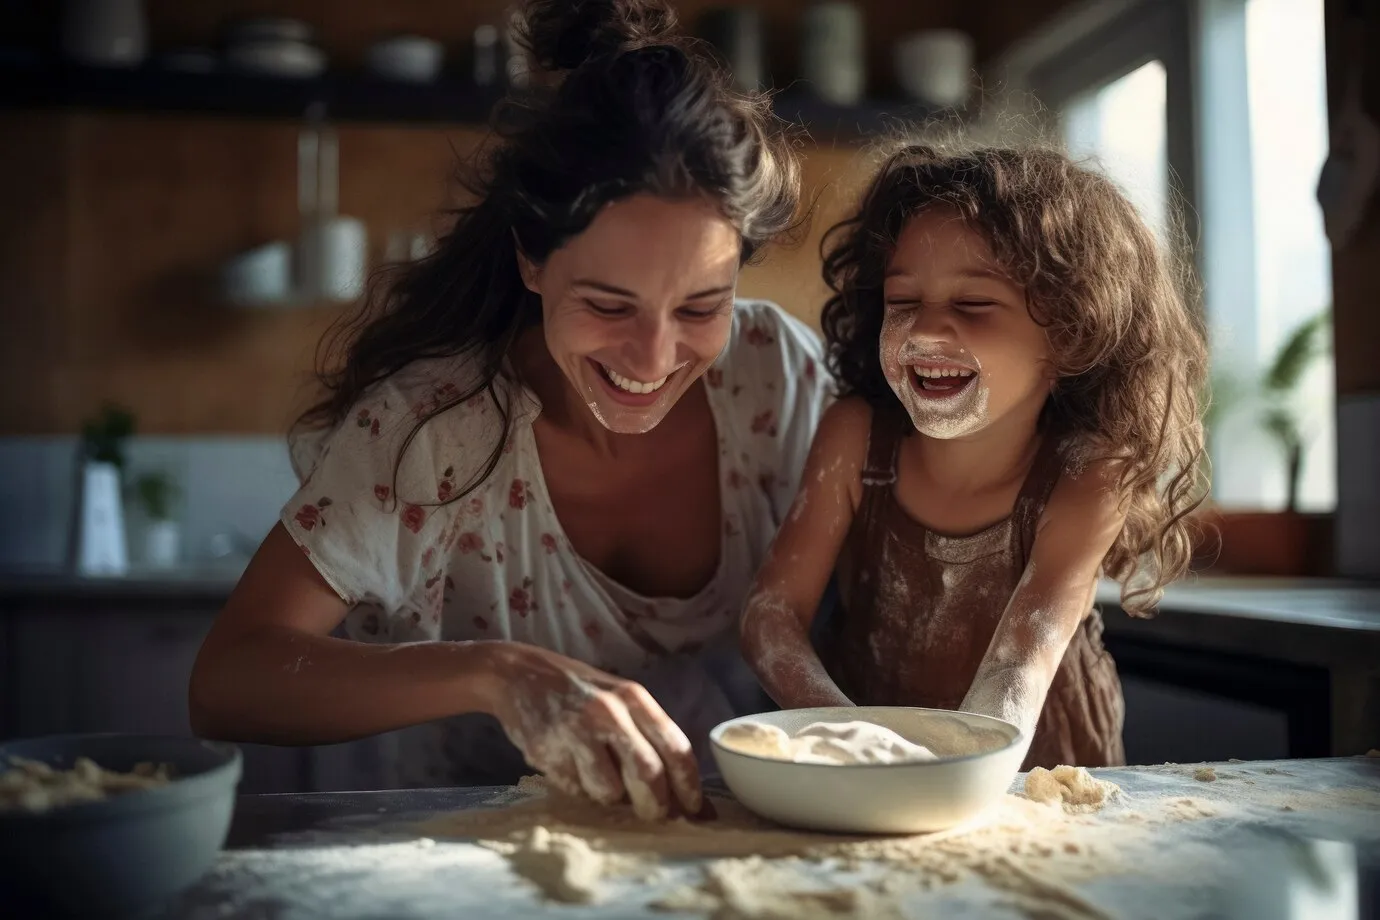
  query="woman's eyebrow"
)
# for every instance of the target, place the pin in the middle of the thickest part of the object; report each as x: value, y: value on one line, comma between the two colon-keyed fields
x: 624, y: 292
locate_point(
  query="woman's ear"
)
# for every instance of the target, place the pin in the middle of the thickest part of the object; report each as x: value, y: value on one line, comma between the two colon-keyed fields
x: 526, y: 267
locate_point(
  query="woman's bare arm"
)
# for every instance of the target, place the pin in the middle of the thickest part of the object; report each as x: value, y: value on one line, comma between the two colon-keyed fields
x: 271, y: 672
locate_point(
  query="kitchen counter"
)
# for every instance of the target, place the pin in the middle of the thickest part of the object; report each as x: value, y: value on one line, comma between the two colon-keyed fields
x: 1172, y: 845
x: 1330, y: 626
x: 204, y: 583
x: 1325, y: 603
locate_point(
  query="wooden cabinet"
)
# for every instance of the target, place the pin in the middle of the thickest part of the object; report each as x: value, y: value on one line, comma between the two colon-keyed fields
x: 92, y: 664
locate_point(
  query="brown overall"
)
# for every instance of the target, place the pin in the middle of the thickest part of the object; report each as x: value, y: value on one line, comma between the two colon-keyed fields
x: 919, y: 610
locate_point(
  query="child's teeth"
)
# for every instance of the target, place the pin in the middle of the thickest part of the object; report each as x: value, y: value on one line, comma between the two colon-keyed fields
x: 630, y: 385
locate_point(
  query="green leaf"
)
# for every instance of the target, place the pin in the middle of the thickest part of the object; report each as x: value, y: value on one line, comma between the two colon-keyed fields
x: 1297, y: 354
x: 103, y: 437
x: 156, y: 493
x: 1283, y: 427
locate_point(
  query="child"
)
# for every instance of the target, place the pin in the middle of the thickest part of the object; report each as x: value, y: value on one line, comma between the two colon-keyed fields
x: 1019, y: 371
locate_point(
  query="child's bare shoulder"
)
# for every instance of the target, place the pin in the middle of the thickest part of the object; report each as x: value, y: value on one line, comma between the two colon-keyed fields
x: 1088, y: 490
x: 846, y: 423
x: 839, y: 451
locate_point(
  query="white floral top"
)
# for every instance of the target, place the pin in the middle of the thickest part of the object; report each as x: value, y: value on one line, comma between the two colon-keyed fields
x: 417, y: 564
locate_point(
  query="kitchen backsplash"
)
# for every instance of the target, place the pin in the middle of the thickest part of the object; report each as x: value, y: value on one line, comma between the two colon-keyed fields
x: 230, y: 492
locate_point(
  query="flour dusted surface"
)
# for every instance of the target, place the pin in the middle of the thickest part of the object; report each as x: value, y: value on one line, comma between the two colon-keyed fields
x: 1162, y: 850
x: 1026, y: 850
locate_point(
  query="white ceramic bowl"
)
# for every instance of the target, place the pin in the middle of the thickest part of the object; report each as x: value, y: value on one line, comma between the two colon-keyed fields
x: 978, y: 758
x: 409, y: 58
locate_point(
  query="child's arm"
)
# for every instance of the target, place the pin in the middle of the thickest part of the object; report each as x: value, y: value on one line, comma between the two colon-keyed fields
x: 1079, y: 524
x: 788, y: 588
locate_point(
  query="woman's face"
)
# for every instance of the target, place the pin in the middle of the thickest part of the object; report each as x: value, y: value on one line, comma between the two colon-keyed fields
x: 637, y: 307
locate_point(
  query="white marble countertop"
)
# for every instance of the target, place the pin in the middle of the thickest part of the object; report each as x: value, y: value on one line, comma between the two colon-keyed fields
x: 1170, y: 846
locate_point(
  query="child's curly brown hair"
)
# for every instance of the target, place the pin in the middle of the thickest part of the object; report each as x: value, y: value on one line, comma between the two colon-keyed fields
x: 1121, y: 313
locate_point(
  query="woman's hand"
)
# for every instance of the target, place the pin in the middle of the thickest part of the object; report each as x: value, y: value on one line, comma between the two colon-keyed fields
x: 592, y: 733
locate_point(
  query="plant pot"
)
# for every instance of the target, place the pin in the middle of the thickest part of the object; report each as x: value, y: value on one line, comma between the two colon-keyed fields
x: 1279, y: 543
x: 162, y: 544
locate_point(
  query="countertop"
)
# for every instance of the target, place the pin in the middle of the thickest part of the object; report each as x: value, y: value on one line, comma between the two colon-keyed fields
x: 1333, y: 604
x: 204, y: 582
x: 1171, y: 845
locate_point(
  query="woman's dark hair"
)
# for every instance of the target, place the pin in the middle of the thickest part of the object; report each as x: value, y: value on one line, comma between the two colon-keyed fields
x: 625, y: 106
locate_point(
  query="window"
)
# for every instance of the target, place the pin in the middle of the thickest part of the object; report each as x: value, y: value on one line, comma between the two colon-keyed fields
x: 1264, y: 255
x: 1222, y: 102
x: 1122, y: 125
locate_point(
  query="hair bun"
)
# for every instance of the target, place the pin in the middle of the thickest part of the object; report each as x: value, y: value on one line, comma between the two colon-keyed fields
x: 564, y: 34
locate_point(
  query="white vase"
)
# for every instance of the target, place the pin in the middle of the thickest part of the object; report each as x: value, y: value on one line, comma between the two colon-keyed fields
x: 100, y: 544
x: 162, y: 544
x: 105, y: 33
x: 832, y: 53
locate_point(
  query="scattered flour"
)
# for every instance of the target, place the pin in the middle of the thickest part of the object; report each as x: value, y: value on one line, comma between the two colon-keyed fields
x: 1028, y: 851
x: 1077, y: 790
x: 562, y: 865
x: 1021, y: 856
x: 825, y: 743
x: 760, y: 889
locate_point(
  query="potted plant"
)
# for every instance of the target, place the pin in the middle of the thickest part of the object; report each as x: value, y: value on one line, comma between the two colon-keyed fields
x: 100, y: 547
x: 156, y: 493
x: 1286, y: 542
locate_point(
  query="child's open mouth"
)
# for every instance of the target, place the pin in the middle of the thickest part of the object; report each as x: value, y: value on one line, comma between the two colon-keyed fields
x: 934, y: 382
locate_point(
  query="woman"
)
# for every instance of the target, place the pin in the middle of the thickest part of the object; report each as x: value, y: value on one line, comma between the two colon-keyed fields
x: 543, y: 479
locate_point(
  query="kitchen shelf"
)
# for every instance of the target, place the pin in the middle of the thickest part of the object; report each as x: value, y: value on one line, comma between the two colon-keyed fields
x: 342, y: 97
x: 351, y: 97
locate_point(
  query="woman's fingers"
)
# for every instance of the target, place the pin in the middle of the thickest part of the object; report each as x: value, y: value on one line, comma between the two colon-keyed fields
x: 599, y: 774
x: 672, y: 747
x: 642, y: 769
x: 562, y: 775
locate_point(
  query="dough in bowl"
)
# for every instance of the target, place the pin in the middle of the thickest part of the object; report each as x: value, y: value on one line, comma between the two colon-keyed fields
x: 825, y: 743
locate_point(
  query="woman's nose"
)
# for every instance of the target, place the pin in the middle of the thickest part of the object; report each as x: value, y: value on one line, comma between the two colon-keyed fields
x: 652, y: 352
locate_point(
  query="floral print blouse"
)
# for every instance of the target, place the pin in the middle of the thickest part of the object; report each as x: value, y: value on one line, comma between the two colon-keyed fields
x: 415, y: 564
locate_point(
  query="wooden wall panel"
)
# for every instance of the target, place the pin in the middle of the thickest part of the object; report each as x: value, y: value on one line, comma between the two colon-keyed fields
x: 113, y: 226
x: 141, y: 216
x: 33, y: 244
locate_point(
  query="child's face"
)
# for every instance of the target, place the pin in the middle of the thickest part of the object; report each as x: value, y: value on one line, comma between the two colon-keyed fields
x: 958, y: 345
